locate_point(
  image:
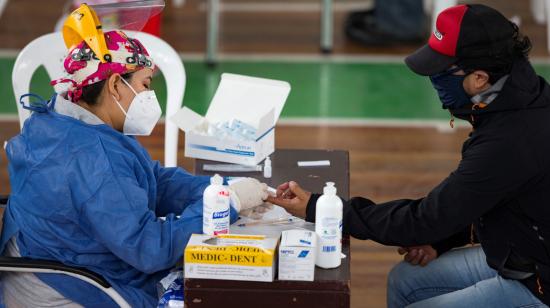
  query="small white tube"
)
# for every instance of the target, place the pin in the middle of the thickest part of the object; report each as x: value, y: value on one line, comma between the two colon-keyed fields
x: 267, y: 168
x: 314, y: 163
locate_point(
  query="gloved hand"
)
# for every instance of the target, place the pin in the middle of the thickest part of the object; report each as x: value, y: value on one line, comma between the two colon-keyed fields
x: 247, y: 193
x: 258, y: 211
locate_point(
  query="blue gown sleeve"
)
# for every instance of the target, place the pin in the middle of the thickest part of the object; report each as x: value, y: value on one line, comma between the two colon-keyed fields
x: 118, y: 216
x: 180, y: 192
x: 177, y: 189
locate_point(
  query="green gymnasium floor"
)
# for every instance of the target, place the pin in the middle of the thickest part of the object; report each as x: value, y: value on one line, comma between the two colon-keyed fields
x: 320, y: 89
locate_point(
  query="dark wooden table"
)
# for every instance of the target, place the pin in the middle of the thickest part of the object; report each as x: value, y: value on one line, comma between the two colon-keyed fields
x: 331, y: 288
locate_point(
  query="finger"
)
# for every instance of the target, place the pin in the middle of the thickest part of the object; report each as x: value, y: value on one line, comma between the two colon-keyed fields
x: 297, y: 190
x: 281, y: 189
x: 418, y: 257
x: 425, y: 260
x: 411, y: 255
x: 285, y: 203
x: 402, y: 250
x: 287, y: 194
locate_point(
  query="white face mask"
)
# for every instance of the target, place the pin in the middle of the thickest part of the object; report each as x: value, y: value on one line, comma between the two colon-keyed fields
x: 143, y: 113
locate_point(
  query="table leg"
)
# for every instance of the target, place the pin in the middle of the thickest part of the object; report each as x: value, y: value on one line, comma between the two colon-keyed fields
x: 326, y: 27
x: 213, y: 20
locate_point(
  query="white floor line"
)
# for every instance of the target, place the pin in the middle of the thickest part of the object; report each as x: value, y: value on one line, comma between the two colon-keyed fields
x: 9, y: 53
x: 440, y: 125
x: 8, y: 117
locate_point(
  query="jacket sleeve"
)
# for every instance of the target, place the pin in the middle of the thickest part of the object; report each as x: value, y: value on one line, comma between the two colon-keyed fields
x: 490, y: 172
x: 466, y: 236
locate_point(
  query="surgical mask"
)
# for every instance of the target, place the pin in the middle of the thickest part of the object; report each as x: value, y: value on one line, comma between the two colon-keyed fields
x: 450, y: 89
x: 143, y: 113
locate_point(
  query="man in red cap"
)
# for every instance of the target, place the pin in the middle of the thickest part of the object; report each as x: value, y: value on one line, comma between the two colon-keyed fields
x: 499, y: 195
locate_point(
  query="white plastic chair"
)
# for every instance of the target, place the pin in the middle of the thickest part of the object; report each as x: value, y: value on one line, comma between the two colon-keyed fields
x: 49, y: 50
x: 171, y: 66
x: 541, y: 10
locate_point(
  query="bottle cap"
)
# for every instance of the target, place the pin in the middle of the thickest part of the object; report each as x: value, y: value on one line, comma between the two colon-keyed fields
x: 329, y: 189
x: 267, y: 162
x: 216, y: 180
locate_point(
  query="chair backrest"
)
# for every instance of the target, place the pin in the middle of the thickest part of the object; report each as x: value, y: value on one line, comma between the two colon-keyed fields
x: 171, y: 66
x: 48, y: 51
x: 42, y: 50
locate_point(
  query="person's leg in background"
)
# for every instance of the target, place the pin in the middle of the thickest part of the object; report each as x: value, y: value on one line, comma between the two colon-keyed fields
x: 391, y: 22
x: 458, y: 278
x: 492, y: 292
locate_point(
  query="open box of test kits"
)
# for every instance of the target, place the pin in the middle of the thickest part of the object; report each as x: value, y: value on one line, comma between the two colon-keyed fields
x: 255, y: 102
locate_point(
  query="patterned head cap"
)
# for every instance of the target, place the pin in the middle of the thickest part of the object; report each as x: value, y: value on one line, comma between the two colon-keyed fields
x: 84, y: 68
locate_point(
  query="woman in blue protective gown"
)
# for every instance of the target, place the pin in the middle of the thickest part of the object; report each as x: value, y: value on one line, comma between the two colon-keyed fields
x: 86, y: 193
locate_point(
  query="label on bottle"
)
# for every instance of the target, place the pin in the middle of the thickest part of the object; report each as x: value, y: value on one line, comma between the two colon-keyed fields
x: 330, y: 228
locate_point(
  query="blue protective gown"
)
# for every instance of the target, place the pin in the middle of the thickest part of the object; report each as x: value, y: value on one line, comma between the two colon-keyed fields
x: 89, y: 196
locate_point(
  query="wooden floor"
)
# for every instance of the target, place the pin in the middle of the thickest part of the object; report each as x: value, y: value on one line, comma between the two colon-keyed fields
x: 386, y: 164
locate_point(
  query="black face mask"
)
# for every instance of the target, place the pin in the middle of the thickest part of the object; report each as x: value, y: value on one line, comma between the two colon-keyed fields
x: 450, y: 89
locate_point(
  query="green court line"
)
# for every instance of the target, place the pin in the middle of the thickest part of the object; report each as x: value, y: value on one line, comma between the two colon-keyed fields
x: 320, y: 89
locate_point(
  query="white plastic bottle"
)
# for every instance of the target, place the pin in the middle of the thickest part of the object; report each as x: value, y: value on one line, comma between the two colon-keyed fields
x: 267, y: 168
x: 215, y: 211
x: 328, y: 226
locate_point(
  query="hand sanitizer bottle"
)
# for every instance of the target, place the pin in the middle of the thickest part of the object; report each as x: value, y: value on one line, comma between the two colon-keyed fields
x: 215, y: 211
x: 328, y: 226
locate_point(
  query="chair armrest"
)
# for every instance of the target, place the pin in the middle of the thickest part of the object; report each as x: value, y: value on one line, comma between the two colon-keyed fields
x: 16, y: 264
x: 4, y: 200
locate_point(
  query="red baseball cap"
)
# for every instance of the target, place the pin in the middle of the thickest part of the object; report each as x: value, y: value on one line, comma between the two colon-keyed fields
x: 463, y: 33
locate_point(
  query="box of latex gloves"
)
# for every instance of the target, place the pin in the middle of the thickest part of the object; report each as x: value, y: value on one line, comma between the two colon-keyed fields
x: 239, y: 126
x: 231, y: 257
x: 297, y: 255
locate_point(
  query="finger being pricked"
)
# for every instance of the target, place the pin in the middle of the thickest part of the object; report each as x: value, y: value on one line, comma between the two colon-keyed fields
x: 281, y: 189
x: 280, y: 201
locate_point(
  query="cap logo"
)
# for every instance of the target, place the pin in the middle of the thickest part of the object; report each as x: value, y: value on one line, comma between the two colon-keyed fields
x: 438, y: 35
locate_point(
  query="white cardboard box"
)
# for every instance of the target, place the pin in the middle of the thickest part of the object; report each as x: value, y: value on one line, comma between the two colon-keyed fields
x: 297, y: 255
x: 231, y: 257
x: 255, y: 101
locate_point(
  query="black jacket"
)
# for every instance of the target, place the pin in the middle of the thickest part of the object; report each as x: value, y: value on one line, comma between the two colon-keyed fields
x: 499, y: 193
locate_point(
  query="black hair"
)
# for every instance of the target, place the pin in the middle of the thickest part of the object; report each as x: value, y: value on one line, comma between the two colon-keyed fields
x: 90, y: 93
x: 500, y: 64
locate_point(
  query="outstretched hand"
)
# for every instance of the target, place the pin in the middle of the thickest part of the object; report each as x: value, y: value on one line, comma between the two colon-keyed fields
x: 292, y: 198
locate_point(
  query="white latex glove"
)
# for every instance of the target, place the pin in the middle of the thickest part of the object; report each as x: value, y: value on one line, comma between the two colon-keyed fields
x: 258, y: 211
x: 247, y: 193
